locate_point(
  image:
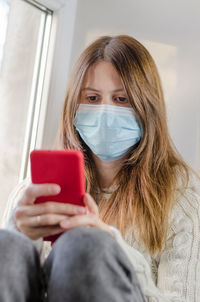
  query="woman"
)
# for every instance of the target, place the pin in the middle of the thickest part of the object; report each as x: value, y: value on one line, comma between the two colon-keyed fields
x: 142, y: 205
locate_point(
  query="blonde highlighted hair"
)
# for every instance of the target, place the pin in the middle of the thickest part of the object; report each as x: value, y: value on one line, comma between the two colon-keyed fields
x: 147, y: 181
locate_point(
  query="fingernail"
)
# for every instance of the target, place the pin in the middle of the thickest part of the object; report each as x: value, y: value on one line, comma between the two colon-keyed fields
x: 57, y: 189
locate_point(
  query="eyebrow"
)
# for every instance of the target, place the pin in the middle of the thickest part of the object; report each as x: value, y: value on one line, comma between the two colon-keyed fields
x: 96, y: 90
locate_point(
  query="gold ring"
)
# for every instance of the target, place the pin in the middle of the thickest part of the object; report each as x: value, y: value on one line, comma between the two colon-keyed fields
x: 38, y: 219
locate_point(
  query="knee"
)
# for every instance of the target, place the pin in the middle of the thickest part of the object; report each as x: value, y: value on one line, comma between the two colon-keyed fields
x: 85, y: 236
x: 87, y: 242
x: 87, y: 250
x: 17, y: 244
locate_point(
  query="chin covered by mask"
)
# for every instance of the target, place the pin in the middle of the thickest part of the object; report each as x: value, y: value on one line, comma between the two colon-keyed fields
x: 109, y: 131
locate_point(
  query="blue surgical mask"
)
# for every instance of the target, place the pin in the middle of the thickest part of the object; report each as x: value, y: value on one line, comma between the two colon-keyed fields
x: 109, y: 131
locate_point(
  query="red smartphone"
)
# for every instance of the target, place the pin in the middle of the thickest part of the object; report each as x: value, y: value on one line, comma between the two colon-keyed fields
x: 62, y: 167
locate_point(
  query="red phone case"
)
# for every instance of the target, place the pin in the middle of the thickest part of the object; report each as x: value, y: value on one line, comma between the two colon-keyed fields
x: 62, y: 167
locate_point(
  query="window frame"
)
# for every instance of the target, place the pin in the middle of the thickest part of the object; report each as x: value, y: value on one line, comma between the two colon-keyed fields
x: 55, y: 78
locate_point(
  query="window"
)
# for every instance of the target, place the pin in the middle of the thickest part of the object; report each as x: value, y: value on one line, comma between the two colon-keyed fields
x: 33, y: 76
x: 4, y: 10
x: 24, y: 40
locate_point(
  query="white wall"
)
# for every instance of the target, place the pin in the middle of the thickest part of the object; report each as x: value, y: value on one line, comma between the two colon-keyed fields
x: 170, y: 30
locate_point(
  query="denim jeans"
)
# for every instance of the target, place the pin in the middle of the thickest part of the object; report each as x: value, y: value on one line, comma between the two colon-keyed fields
x: 84, y: 265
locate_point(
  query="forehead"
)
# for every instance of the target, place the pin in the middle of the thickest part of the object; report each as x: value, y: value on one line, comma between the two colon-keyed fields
x: 102, y: 75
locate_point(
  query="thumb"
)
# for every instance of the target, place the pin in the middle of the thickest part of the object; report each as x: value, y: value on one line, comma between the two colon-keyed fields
x: 91, y: 204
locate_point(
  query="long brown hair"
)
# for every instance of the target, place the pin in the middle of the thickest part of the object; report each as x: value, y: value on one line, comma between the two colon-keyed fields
x: 147, y: 181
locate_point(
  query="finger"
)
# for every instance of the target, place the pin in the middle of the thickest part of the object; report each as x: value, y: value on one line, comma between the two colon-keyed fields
x: 40, y: 220
x: 36, y: 190
x: 84, y: 220
x: 43, y: 232
x: 49, y: 207
x: 91, y: 204
x: 77, y: 221
x: 52, y: 231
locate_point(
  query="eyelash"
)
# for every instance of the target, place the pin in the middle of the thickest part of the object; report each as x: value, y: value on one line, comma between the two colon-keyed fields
x: 91, y: 96
x: 119, y: 99
x: 123, y: 99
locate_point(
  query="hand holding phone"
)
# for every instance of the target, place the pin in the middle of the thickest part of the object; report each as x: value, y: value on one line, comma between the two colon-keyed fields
x: 62, y: 167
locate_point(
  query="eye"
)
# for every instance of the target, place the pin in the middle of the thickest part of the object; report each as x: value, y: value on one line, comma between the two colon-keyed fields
x: 92, y: 98
x: 121, y: 99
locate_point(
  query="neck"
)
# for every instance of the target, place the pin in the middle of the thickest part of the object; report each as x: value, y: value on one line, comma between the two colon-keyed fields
x: 107, y: 170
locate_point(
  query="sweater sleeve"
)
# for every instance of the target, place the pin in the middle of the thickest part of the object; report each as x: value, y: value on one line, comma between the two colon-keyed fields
x: 8, y: 216
x: 142, y: 269
x: 179, y: 268
x: 178, y: 278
